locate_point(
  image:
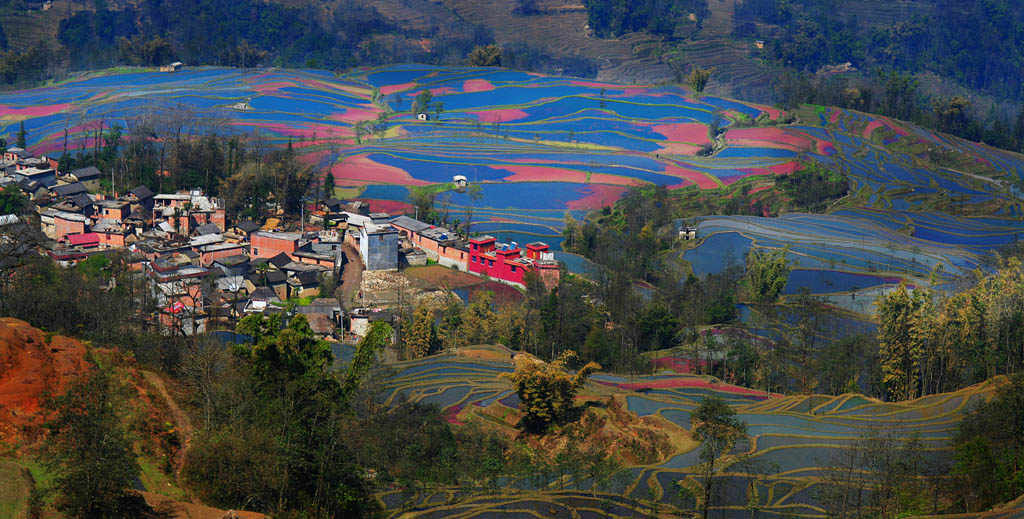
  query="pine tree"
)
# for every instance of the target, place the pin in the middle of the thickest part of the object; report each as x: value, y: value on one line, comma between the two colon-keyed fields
x: 22, y: 135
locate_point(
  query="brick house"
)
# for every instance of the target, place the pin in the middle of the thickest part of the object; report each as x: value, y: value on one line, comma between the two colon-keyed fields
x: 267, y: 244
x: 68, y: 223
x: 439, y: 243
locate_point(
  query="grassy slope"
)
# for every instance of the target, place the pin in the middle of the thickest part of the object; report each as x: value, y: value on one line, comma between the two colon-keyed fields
x: 14, y: 489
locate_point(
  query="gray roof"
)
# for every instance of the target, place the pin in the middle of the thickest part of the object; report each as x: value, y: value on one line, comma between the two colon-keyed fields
x: 83, y: 200
x: 88, y: 173
x: 76, y: 188
x: 264, y: 294
x: 208, y: 228
x: 309, y: 277
x: 280, y: 260
x: 142, y: 192
x: 232, y: 261
x: 248, y: 226
x: 410, y: 223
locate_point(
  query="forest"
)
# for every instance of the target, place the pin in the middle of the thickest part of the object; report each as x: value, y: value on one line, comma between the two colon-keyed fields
x: 609, y: 18
x: 974, y: 43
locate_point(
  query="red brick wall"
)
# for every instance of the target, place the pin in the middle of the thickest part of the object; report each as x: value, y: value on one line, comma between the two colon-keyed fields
x: 207, y: 258
x: 64, y: 227
x: 268, y: 247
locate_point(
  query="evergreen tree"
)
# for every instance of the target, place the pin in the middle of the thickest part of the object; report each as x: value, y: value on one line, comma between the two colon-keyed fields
x: 22, y: 135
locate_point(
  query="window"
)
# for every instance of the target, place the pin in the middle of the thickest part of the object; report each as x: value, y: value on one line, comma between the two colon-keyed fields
x: 476, y: 247
x: 474, y: 259
x: 255, y: 251
x: 513, y: 268
x: 490, y: 263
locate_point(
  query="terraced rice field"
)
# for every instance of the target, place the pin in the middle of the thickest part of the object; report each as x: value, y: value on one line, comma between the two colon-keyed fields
x: 541, y: 146
x: 793, y: 439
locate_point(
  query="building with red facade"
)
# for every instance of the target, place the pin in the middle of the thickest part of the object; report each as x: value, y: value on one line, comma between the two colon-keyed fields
x: 508, y: 262
x: 267, y: 244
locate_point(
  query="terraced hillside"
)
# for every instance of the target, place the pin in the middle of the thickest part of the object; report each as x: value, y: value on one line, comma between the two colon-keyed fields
x: 540, y: 146
x: 779, y: 471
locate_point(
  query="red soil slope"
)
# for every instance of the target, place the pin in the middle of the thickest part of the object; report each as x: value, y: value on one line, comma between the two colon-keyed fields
x: 31, y: 365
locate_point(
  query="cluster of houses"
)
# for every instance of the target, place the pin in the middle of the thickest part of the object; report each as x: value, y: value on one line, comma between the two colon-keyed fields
x: 204, y: 268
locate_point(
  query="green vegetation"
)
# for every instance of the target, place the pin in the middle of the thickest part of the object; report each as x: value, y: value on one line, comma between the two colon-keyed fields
x: 610, y: 18
x: 930, y: 343
x: 89, y: 449
x: 486, y: 56
x: 813, y: 187
x: 990, y: 447
x: 12, y: 201
x: 697, y: 80
x: 767, y: 274
x: 717, y: 429
x: 547, y: 390
x: 972, y: 42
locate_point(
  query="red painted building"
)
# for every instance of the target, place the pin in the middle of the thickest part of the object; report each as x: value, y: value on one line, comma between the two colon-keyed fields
x: 507, y: 262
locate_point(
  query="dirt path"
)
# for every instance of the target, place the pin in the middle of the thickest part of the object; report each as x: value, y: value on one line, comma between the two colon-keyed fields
x: 351, y: 277
x: 181, y: 422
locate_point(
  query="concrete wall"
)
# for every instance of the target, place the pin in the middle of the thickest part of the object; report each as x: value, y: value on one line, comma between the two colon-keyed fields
x: 379, y: 250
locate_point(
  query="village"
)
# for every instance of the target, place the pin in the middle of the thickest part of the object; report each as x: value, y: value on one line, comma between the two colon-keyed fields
x: 341, y: 265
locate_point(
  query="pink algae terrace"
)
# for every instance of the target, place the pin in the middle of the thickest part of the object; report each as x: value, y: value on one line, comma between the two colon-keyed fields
x: 693, y: 133
x: 477, y: 85
x: 360, y: 169
x: 555, y: 174
x: 500, y: 116
x: 33, y: 111
x: 599, y: 196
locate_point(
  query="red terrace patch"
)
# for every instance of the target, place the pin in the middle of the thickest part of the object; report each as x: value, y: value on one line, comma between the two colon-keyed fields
x: 272, y: 88
x: 451, y: 415
x: 390, y: 89
x: 786, y: 167
x: 678, y: 365
x: 477, y: 85
x: 600, y: 196
x: 893, y: 126
x: 359, y: 169
x: 554, y: 174
x: 440, y: 91
x: 833, y: 116
x: 694, y: 176
x: 34, y: 111
x: 694, y: 133
x: 355, y: 115
x: 387, y: 206
x: 770, y: 136
x: 773, y: 113
x: 500, y: 116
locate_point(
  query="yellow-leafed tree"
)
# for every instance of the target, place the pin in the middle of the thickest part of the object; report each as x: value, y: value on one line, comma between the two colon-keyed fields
x: 547, y: 389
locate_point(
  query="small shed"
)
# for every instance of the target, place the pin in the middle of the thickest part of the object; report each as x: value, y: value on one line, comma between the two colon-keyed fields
x: 422, y: 116
x: 173, y: 67
x: 460, y: 181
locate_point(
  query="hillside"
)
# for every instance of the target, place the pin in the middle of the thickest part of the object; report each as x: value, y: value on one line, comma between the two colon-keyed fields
x: 35, y: 364
x: 918, y: 198
x: 781, y: 469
